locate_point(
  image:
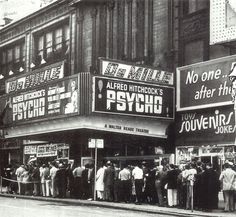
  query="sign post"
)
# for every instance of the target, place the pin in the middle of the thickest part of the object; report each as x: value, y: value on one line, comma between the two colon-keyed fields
x: 95, y: 143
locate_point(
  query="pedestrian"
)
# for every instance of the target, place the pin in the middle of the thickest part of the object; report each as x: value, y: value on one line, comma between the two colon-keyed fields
x: 172, y: 176
x: 159, y: 185
x: 19, y: 172
x: 26, y: 181
x: 189, y: 175
x: 117, y: 184
x: 100, y: 182
x: 85, y: 184
x: 53, y: 172
x: 137, y: 175
x: 35, y: 176
x: 70, y: 179
x: 125, y: 184
x: 44, y: 175
x: 109, y: 176
x: 8, y: 176
x: 91, y: 175
x: 61, y: 180
x: 228, y: 179
x: 211, y: 187
x: 77, y: 173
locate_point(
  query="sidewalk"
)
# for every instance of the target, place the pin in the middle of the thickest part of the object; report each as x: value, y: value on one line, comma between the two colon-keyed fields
x: 124, y: 206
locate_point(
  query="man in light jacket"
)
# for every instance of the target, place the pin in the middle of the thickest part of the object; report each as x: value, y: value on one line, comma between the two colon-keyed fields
x: 228, y: 178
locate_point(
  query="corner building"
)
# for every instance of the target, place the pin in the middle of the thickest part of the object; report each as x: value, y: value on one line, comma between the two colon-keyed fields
x: 75, y: 71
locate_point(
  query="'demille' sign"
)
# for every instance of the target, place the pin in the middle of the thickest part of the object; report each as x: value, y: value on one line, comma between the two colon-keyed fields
x: 121, y: 69
x: 36, y: 78
x: 119, y: 96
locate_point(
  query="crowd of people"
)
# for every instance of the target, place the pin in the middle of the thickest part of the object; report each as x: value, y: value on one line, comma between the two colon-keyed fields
x: 193, y: 185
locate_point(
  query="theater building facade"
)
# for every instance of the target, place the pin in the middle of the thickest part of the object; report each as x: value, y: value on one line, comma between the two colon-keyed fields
x: 73, y: 72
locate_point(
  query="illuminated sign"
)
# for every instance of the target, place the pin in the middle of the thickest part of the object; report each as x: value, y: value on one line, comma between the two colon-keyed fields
x: 119, y: 96
x: 222, y: 21
x: 130, y: 71
x: 57, y: 98
x: 36, y: 78
x: 205, y: 84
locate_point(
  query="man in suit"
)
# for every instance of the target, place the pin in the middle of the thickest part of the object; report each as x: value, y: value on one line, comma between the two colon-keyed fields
x: 109, y: 177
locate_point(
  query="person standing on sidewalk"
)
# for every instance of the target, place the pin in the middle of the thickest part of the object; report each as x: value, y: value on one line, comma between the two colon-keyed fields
x: 36, y: 179
x: 190, y: 177
x: 77, y: 173
x: 116, y: 183
x: 228, y: 178
x: 137, y: 175
x: 19, y: 172
x: 125, y: 183
x: 100, y: 182
x: 44, y: 174
x: 172, y: 176
x: 109, y: 176
x: 53, y: 172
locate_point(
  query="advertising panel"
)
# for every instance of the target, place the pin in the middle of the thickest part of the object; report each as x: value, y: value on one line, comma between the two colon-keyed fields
x: 54, y: 99
x: 222, y: 21
x: 205, y: 84
x: 117, y: 96
x: 131, y: 71
x: 210, y: 124
x: 36, y: 78
x: 47, y: 150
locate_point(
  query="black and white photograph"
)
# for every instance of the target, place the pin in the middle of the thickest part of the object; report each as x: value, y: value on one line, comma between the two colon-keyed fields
x: 117, y: 108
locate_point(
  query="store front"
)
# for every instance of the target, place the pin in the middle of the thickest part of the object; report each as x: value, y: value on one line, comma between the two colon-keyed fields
x: 56, y: 119
x: 205, y: 118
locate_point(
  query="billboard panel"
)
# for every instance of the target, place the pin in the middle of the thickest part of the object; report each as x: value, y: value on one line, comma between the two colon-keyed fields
x: 222, y: 21
x: 50, y: 100
x: 119, y: 96
x: 205, y: 84
x: 209, y: 124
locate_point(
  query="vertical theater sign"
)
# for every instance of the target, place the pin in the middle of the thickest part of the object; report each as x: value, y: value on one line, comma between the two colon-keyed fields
x: 205, y: 114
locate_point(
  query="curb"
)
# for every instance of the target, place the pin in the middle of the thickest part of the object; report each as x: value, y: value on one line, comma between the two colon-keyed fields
x: 121, y: 206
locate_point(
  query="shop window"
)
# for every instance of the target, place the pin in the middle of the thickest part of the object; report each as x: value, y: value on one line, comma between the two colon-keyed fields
x: 192, y: 6
x: 193, y: 52
x: 52, y: 45
x: 12, y: 61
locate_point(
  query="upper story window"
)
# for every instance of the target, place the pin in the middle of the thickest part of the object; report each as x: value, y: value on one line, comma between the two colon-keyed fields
x: 192, y: 6
x: 52, y: 45
x: 12, y: 60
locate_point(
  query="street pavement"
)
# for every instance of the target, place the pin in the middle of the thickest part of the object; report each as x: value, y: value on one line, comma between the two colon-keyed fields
x: 10, y: 205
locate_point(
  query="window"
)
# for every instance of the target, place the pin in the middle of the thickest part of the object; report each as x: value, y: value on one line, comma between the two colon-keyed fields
x: 12, y: 60
x: 192, y: 6
x: 51, y: 46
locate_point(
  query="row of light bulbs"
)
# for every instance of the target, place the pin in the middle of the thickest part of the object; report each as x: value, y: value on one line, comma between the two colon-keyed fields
x: 21, y: 69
